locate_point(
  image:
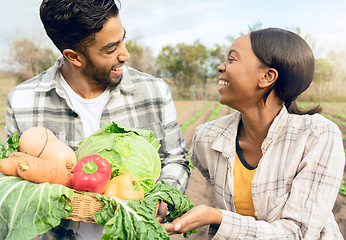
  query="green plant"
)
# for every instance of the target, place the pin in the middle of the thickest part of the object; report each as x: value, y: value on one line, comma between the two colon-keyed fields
x: 215, y: 112
x: 330, y: 105
x: 128, y: 150
x: 191, y: 120
x: 302, y: 105
x: 190, y: 163
x: 342, y: 189
x: 331, y: 118
x: 340, y: 115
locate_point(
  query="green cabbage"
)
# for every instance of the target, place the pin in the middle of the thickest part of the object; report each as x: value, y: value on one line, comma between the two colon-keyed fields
x: 133, y: 151
x: 28, y: 209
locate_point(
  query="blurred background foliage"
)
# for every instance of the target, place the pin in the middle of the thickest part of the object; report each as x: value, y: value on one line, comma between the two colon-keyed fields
x: 189, y: 69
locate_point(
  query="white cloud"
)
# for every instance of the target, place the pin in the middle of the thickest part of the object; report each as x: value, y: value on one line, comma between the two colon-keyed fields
x: 158, y: 17
x: 162, y: 22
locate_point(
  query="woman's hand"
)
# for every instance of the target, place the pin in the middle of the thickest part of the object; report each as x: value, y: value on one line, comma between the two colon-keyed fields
x: 197, y: 217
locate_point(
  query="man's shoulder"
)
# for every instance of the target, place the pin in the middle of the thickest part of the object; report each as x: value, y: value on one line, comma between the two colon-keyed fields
x: 42, y: 81
x: 28, y: 85
x: 146, y: 84
x: 138, y: 75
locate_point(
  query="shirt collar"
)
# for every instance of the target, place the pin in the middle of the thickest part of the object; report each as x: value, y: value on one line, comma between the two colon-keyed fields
x: 127, y: 85
x: 280, y: 121
x: 50, y: 78
x: 225, y: 141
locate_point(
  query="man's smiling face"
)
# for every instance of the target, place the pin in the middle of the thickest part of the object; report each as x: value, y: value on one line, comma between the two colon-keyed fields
x: 106, y: 57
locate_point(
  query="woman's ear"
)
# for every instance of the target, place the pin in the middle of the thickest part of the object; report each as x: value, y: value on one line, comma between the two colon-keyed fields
x: 268, y: 78
x: 73, y: 57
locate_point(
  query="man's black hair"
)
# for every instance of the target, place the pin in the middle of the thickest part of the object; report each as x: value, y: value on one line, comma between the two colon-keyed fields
x: 72, y: 24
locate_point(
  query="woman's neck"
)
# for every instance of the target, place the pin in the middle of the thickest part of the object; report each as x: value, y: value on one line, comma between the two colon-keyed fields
x: 258, y: 119
x: 254, y: 129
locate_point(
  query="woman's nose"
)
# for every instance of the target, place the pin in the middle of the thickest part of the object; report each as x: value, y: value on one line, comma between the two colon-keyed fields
x: 221, y: 68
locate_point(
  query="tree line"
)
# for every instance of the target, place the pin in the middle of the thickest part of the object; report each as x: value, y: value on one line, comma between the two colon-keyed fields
x: 182, y: 65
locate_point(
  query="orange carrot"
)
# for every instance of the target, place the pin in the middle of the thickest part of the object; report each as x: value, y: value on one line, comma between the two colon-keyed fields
x: 40, y: 170
x: 8, y: 166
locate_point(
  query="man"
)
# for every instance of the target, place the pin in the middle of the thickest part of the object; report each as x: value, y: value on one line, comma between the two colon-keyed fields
x: 90, y: 86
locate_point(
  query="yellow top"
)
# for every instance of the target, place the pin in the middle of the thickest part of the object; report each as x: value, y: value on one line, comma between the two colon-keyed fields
x: 243, y: 174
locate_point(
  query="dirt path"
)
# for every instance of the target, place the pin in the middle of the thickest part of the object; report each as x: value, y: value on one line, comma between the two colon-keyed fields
x: 186, y: 110
x: 188, y: 134
x: 199, y: 191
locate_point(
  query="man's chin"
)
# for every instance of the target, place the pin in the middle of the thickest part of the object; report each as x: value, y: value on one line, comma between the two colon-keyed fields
x: 115, y: 82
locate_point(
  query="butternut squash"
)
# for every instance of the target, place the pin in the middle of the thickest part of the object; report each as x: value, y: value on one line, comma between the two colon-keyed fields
x: 40, y: 142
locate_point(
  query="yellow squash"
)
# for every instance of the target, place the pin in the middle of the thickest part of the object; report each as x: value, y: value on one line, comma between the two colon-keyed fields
x: 124, y: 186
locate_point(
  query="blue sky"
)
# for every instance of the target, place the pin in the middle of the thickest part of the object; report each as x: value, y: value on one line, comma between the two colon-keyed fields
x: 160, y: 22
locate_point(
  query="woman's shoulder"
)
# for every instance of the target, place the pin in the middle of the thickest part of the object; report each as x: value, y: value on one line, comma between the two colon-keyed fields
x: 316, y: 123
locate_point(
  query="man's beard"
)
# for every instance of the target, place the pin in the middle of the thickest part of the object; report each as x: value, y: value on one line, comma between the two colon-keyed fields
x: 99, y: 75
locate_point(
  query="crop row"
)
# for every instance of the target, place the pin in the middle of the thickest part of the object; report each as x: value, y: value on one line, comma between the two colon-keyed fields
x: 215, y: 112
x: 191, y: 120
x: 342, y: 189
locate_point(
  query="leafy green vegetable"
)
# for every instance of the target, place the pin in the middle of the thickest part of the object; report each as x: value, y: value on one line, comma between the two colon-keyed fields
x: 133, y: 151
x: 137, y: 219
x: 12, y: 146
x: 178, y: 204
x: 28, y: 209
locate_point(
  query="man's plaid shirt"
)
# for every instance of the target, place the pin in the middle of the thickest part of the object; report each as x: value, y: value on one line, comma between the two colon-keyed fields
x: 140, y: 101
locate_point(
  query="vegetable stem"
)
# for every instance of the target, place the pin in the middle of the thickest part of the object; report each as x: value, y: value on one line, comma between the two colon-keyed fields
x: 90, y: 167
x: 23, y: 165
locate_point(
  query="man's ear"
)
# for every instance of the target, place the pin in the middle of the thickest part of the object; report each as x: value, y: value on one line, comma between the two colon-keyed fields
x: 269, y: 77
x: 73, y: 57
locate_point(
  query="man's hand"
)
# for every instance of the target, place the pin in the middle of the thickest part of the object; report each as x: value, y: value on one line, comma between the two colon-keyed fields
x: 162, y: 211
x: 197, y: 217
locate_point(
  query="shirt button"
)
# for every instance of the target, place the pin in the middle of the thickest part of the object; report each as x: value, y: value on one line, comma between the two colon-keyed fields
x: 69, y: 232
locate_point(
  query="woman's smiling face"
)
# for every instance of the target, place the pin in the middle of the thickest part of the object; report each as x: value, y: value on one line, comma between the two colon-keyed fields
x: 240, y: 75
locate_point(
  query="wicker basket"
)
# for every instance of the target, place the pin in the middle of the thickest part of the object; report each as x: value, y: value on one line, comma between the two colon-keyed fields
x: 85, y: 206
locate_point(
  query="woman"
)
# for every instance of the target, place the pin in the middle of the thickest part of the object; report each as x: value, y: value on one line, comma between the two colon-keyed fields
x: 275, y: 169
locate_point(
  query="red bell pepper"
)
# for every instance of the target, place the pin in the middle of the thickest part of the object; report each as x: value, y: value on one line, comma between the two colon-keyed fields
x: 92, y: 174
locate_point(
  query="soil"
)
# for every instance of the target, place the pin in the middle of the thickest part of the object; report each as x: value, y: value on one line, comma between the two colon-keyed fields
x: 200, y: 192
